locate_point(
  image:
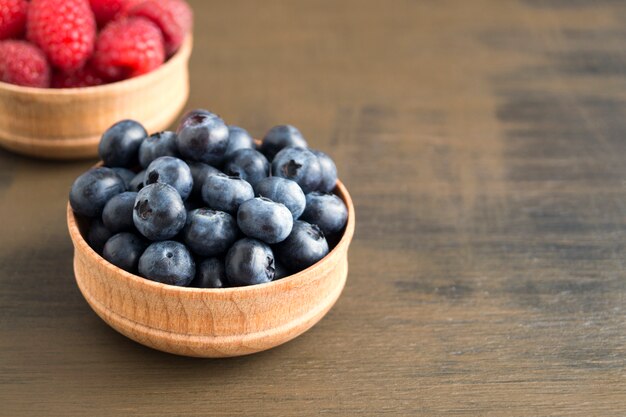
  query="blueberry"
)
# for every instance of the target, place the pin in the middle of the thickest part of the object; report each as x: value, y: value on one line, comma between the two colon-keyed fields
x: 171, y: 171
x: 91, y: 191
x: 157, y: 145
x: 249, y: 262
x: 168, y: 262
x: 280, y: 137
x: 98, y: 235
x: 305, y: 246
x: 263, y: 219
x: 325, y: 210
x: 280, y: 270
x: 125, y: 174
x: 119, y: 145
x: 238, y: 138
x: 159, y: 212
x: 299, y: 165
x: 209, y: 232
x: 194, y: 113
x: 210, y: 273
x: 329, y: 172
x: 124, y: 250
x: 248, y: 164
x: 199, y: 172
x: 136, y: 183
x: 284, y: 191
x: 203, y: 137
x: 221, y: 192
x: 118, y: 212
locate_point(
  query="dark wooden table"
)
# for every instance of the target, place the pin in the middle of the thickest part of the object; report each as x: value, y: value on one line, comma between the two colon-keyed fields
x: 484, y: 144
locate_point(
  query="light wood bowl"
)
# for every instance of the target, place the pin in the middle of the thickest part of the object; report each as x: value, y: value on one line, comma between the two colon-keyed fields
x: 67, y: 123
x: 211, y: 323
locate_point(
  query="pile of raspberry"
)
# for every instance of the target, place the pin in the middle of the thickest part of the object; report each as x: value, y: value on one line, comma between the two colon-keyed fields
x: 83, y: 43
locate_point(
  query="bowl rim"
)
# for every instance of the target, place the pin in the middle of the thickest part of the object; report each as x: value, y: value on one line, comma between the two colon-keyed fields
x: 183, y: 54
x: 81, y: 244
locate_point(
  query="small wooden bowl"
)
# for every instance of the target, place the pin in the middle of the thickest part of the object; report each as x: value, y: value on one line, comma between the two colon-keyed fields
x: 211, y: 323
x: 67, y: 123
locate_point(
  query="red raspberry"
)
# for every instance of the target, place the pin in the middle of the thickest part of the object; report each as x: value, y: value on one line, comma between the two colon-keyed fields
x: 174, y: 17
x: 64, y: 29
x: 22, y: 63
x: 87, y: 76
x: 12, y: 18
x: 107, y: 10
x: 127, y: 48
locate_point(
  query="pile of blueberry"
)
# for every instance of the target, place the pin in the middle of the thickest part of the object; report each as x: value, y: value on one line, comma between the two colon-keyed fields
x: 208, y: 209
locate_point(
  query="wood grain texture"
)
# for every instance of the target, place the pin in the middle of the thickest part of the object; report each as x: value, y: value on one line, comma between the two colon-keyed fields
x: 483, y: 145
x: 211, y: 323
x: 68, y: 123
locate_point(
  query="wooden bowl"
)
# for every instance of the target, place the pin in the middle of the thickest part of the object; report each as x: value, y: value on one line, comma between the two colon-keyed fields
x: 211, y: 323
x: 67, y: 123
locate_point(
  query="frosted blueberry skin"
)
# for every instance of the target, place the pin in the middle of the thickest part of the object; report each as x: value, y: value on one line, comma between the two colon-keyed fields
x: 157, y: 145
x: 238, y: 138
x: 126, y: 175
x: 279, y: 137
x: 264, y: 219
x: 284, y: 191
x: 209, y: 232
x: 117, y: 215
x: 136, y: 183
x: 159, y: 212
x: 119, y: 146
x: 305, y: 246
x: 329, y: 172
x: 171, y: 171
x: 98, y: 235
x: 124, y: 250
x: 224, y: 193
x: 327, y: 211
x: 247, y: 164
x: 167, y: 262
x: 299, y: 165
x: 210, y: 273
x: 91, y: 191
x: 202, y: 136
x: 199, y: 173
x: 249, y: 262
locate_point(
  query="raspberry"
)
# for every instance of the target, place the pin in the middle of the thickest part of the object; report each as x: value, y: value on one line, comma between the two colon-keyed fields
x: 24, y: 64
x: 174, y: 18
x: 64, y: 29
x: 12, y: 18
x: 127, y: 48
x: 107, y: 10
x: 87, y: 76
